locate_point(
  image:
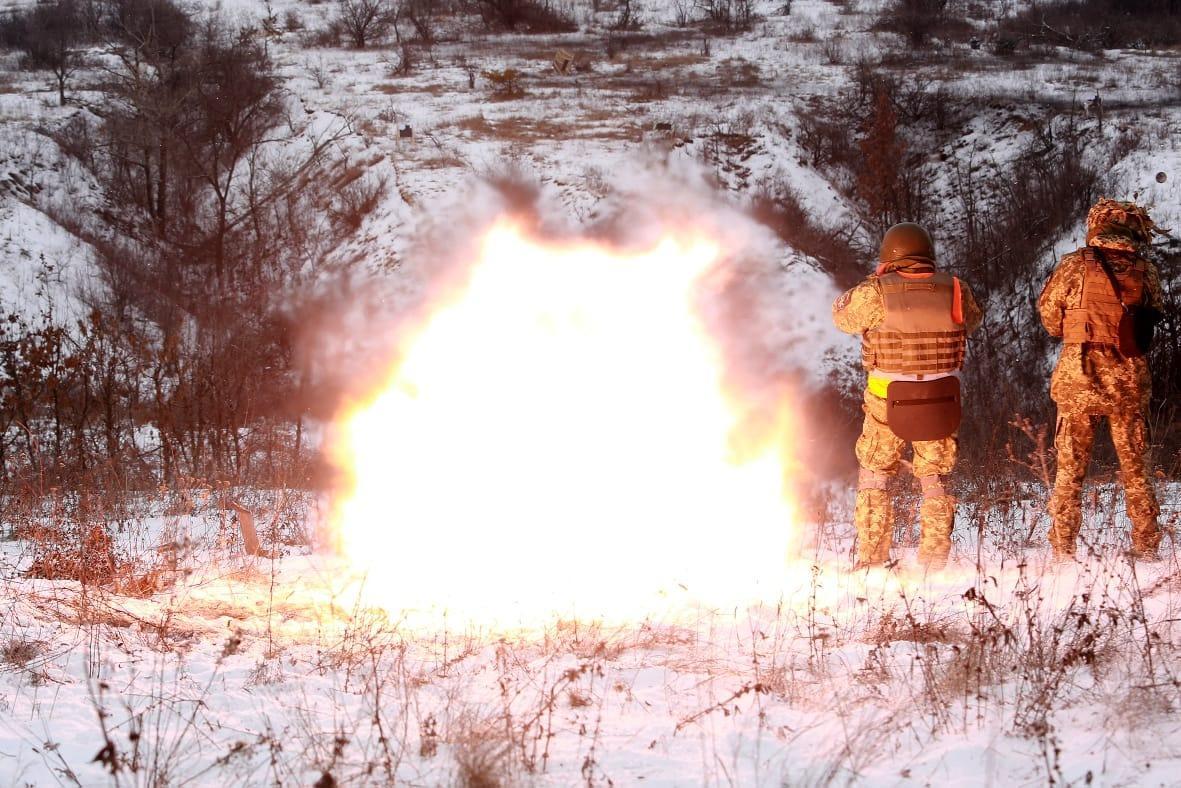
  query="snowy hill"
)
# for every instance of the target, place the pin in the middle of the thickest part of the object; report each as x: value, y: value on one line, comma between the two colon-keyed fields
x: 790, y: 138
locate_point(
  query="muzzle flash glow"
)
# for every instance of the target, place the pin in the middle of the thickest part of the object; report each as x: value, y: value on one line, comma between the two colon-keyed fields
x: 556, y: 438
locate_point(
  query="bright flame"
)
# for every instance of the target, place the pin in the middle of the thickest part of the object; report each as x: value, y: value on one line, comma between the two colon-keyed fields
x: 556, y: 438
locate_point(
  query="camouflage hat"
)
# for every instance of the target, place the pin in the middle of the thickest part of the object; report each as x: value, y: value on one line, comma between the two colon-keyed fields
x: 1123, y: 226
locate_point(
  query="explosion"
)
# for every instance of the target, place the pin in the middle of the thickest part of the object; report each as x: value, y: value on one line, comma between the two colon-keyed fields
x: 557, y: 437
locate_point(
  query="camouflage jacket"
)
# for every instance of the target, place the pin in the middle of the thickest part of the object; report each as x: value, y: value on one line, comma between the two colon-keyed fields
x: 1094, y: 378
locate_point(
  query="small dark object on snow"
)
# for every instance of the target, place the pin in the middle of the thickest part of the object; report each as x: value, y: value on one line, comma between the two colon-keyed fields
x: 664, y: 127
x: 405, y: 132
x: 974, y: 42
x: 1161, y: 177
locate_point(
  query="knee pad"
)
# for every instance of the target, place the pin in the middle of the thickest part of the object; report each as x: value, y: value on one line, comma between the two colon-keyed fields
x: 871, y: 480
x: 932, y: 486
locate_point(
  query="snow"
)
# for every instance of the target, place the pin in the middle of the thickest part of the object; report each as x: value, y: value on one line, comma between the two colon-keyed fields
x: 247, y: 669
x: 250, y: 670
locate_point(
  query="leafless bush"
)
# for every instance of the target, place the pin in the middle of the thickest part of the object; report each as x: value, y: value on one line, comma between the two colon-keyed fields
x: 482, y: 754
x: 329, y: 36
x: 421, y: 14
x: 357, y: 198
x: 319, y: 73
x: 626, y: 17
x: 49, y: 35
x: 780, y: 208
x: 70, y: 536
x: 833, y: 49
x: 365, y: 21
x: 891, y: 182
x: 531, y: 16
x: 827, y: 140
x: 730, y: 15
x: 915, y: 19
x: 1097, y: 24
x: 804, y: 34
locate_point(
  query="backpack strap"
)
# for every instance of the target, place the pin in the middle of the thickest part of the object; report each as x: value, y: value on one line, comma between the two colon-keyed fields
x: 1102, y: 258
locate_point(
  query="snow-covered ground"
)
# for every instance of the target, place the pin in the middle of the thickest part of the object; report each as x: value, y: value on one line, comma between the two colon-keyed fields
x: 1001, y: 670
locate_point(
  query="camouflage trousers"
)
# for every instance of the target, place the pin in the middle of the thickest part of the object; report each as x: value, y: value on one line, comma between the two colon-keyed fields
x: 1073, y: 439
x: 879, y: 452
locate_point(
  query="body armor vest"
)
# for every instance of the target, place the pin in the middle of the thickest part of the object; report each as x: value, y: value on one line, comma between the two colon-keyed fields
x: 920, y: 335
x: 1097, y: 318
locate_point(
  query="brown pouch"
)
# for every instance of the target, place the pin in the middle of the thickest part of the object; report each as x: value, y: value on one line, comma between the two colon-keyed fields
x: 1136, y: 330
x: 923, y: 410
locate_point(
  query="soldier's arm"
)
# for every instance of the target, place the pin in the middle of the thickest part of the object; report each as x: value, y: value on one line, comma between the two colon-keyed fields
x: 972, y: 313
x: 1052, y: 303
x: 859, y: 309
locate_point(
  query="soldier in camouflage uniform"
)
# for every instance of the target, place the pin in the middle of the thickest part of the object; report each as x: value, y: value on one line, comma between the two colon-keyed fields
x: 1093, y: 378
x: 909, y: 340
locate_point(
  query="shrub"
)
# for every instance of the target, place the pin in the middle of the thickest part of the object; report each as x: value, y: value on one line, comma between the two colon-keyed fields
x: 505, y: 83
x: 1098, y: 24
x: 730, y: 15
x: 365, y: 21
x: 530, y: 16
x: 48, y: 36
x: 915, y: 19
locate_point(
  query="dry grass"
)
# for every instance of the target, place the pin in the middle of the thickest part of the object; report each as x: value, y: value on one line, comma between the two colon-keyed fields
x: 18, y: 651
x: 482, y: 753
x: 894, y: 627
x: 490, y: 710
x: 527, y: 129
x: 435, y: 89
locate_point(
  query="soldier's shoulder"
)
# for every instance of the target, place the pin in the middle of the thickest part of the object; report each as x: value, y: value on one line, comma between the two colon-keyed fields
x: 858, y: 293
x: 1072, y: 262
x: 868, y: 289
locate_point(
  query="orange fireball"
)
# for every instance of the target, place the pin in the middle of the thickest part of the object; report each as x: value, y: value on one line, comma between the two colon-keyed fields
x: 557, y: 438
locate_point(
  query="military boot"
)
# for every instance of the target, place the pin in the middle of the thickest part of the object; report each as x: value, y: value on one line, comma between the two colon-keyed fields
x: 1146, y: 533
x: 1065, y: 521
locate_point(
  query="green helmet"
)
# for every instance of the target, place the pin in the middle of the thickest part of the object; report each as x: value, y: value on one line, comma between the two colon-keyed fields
x: 907, y: 241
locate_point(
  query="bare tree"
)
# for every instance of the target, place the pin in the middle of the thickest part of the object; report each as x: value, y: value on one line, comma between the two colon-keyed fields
x: 915, y: 19
x: 535, y: 16
x: 729, y: 14
x: 150, y: 88
x: 235, y: 102
x: 421, y: 16
x: 364, y: 21
x: 51, y: 34
x: 626, y: 17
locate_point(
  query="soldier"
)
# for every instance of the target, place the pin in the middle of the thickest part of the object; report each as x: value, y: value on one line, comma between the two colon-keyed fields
x: 914, y: 322
x: 1089, y: 301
